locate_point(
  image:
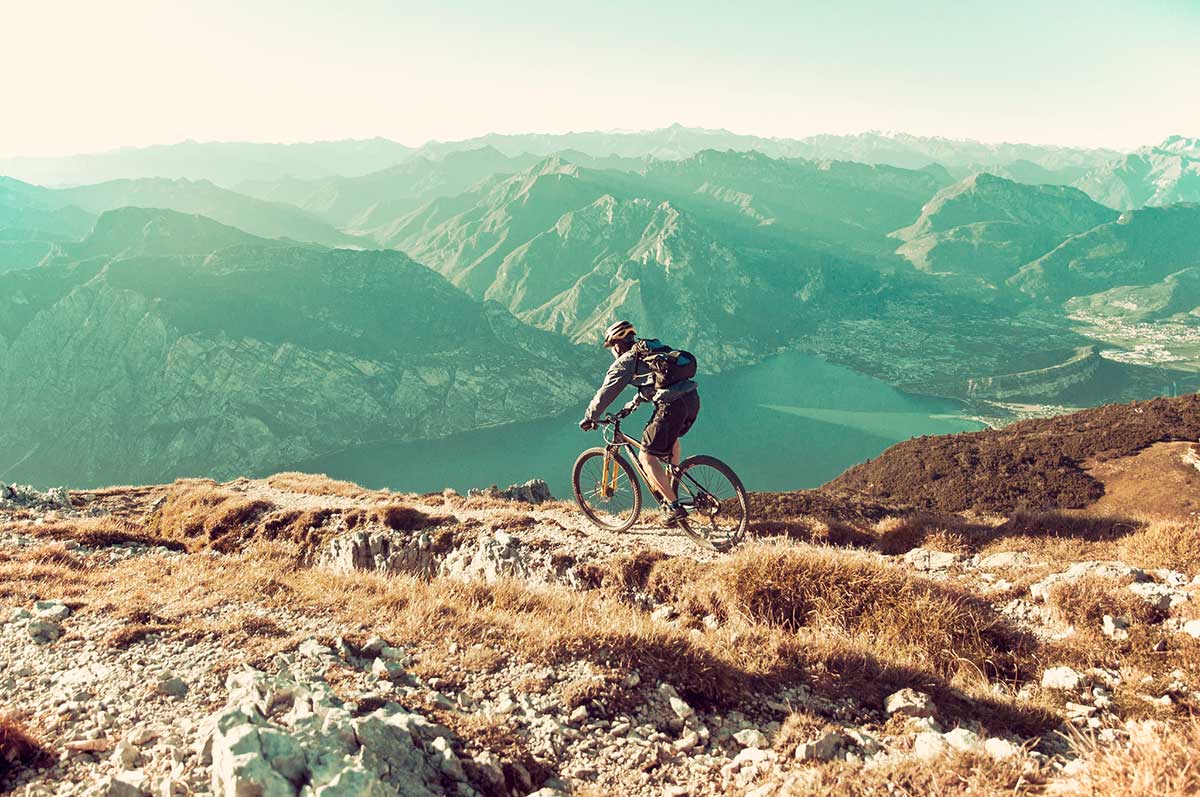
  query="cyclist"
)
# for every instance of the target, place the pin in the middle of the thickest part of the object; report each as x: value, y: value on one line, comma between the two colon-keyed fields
x: 675, y: 409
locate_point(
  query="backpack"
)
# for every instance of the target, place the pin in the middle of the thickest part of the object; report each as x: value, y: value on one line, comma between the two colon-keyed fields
x: 669, y: 366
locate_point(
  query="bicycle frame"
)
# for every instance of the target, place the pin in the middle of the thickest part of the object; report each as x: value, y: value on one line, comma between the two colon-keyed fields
x: 619, y: 440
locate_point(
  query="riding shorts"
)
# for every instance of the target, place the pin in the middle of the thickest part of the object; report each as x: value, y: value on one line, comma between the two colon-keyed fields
x: 670, y: 422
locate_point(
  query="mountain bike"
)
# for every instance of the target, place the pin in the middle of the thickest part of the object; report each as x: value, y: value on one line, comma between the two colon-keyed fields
x: 609, y: 493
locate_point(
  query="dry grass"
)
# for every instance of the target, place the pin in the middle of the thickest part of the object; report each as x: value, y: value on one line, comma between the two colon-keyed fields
x: 401, y: 517
x: 318, y: 484
x: 1163, y: 544
x: 797, y: 729
x: 1159, y: 760
x: 98, y: 531
x: 960, y: 775
x: 1062, y: 536
x: 18, y: 747
x: 941, y: 628
x: 1084, y: 602
x: 200, y: 514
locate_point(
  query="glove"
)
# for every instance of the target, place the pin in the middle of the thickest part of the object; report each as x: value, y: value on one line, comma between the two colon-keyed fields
x: 587, y: 424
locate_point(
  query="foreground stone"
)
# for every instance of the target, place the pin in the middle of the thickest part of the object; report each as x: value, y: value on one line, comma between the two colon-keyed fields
x: 910, y: 703
x: 280, y: 738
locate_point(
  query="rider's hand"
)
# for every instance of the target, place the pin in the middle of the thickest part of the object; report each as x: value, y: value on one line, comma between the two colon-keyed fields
x: 632, y: 405
x: 587, y: 424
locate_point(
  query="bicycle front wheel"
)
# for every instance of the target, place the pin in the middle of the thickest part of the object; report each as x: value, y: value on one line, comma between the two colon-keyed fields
x: 718, y: 509
x: 606, y: 489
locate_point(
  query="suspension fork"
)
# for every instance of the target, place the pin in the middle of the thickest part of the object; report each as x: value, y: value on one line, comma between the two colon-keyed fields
x: 608, y: 484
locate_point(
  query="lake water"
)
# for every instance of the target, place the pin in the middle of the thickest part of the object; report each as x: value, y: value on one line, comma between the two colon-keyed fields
x: 791, y: 422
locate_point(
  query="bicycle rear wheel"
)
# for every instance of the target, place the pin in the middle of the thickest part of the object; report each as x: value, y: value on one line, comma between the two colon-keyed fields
x: 718, y: 509
x: 608, y: 493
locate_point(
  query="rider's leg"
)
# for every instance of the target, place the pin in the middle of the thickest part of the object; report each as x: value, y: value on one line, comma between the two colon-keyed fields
x: 658, y: 472
x: 676, y: 451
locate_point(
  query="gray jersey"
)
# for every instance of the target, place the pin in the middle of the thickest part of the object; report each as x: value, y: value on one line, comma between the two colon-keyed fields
x: 626, y: 370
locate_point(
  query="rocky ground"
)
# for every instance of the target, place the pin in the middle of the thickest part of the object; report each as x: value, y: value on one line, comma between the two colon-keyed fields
x: 298, y: 636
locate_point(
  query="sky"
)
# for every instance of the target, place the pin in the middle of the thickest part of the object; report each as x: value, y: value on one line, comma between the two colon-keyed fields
x: 85, y: 76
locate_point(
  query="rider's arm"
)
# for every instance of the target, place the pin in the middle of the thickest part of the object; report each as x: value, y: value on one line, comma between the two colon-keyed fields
x: 619, y: 376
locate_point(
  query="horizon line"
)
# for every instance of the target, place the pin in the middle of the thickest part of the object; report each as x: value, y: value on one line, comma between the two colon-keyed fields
x: 602, y: 131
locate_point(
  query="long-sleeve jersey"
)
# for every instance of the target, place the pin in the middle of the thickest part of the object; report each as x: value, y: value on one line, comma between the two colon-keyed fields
x: 629, y: 369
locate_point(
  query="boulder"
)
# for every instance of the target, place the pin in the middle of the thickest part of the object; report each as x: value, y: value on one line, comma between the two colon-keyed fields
x: 1192, y: 628
x: 911, y: 703
x: 1160, y: 596
x: 823, y: 748
x: 1041, y: 590
x: 752, y: 737
x: 170, y: 686
x: 1062, y: 678
x: 1005, y: 559
x: 534, y: 491
x: 55, y: 611
x: 963, y: 740
x: 1000, y: 749
x: 1115, y: 627
x: 43, y: 632
x: 926, y: 560
x: 930, y: 745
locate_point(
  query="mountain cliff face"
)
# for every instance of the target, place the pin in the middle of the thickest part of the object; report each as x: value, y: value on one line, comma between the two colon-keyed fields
x: 233, y: 359
x: 1140, y: 248
x: 989, y: 226
x: 1152, y: 176
x: 570, y: 249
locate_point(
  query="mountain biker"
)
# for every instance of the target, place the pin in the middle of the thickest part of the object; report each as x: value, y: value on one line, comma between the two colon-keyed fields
x: 675, y: 410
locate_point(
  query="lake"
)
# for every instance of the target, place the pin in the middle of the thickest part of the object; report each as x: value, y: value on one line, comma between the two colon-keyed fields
x: 790, y: 422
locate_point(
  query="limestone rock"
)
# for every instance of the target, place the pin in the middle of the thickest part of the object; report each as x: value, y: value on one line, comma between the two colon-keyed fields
x: 910, y: 702
x: 43, y: 632
x: 1062, y: 678
x: 752, y: 737
x: 1116, y: 628
x: 823, y: 748
x: 55, y: 611
x: 1004, y: 559
x: 924, y: 559
x: 534, y: 491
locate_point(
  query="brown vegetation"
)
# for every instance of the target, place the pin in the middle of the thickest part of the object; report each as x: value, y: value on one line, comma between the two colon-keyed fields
x: 1158, y: 759
x: 962, y: 775
x: 1036, y: 463
x: 18, y: 747
x: 317, y: 484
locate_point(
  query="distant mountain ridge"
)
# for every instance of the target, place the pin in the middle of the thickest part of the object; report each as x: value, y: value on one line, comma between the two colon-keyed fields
x: 224, y: 163
x: 256, y: 216
x: 230, y: 164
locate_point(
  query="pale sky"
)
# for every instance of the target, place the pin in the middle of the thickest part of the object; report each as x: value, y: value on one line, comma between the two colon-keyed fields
x: 89, y: 75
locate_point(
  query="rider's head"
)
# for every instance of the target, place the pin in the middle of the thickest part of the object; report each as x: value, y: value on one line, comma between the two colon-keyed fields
x: 619, y: 337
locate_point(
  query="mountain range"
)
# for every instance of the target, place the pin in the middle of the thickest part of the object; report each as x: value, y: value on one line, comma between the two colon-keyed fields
x: 171, y: 325
x: 165, y: 345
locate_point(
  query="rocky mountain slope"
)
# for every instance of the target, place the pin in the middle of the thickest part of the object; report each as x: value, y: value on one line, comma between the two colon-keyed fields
x: 206, y: 347
x: 1142, y: 247
x: 989, y: 227
x: 733, y: 248
x: 1158, y: 175
x: 297, y: 634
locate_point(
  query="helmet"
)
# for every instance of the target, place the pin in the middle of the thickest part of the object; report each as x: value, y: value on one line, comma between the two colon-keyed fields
x: 621, y: 330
